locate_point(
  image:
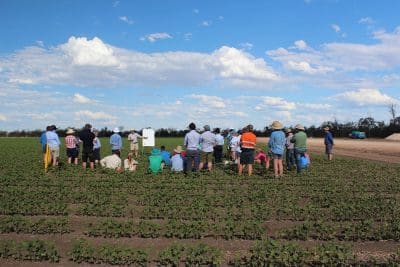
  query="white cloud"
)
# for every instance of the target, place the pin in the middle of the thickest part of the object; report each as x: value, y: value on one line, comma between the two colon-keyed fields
x: 366, y: 20
x: 212, y: 101
x: 206, y: 23
x: 93, y: 115
x: 236, y: 64
x: 153, y: 37
x: 366, y: 97
x: 80, y: 99
x: 335, y: 27
x: 301, y: 45
x: 89, y: 52
x: 40, y: 43
x: 126, y: 20
x: 3, y: 117
x: 246, y: 46
x: 307, y: 68
x: 278, y: 102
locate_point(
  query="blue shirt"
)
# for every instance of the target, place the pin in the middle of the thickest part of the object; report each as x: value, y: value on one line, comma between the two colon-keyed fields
x: 177, y: 163
x: 43, y: 139
x: 52, y: 139
x: 277, y: 142
x: 166, y: 157
x: 116, y: 141
x: 192, y: 140
x: 96, y: 143
x: 328, y: 138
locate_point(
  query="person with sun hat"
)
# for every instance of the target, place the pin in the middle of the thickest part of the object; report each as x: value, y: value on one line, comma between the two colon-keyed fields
x: 276, y: 145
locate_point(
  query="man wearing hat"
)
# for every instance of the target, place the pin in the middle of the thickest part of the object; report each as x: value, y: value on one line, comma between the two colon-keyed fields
x: 300, y: 144
x: 290, y: 158
x: 276, y: 145
x: 116, y: 142
x: 134, y: 145
x: 328, y: 140
x: 177, y: 160
x: 54, y: 144
x: 207, y: 143
x: 70, y: 143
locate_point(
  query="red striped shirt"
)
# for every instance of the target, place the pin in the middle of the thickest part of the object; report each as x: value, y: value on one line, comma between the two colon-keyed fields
x: 70, y: 141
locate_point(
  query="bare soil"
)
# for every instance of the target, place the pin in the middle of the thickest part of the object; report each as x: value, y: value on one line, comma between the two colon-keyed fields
x: 370, y: 149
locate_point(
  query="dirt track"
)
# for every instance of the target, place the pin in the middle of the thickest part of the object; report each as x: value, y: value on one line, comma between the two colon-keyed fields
x: 371, y: 149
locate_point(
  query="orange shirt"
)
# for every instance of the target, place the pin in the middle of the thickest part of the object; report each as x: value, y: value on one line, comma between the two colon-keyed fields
x: 248, y: 140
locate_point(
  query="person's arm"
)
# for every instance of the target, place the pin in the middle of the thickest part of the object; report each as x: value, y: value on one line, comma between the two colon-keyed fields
x: 120, y: 142
x: 185, y: 141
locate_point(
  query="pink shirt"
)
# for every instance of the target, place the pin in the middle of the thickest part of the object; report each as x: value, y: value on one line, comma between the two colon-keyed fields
x: 70, y: 141
x: 262, y: 157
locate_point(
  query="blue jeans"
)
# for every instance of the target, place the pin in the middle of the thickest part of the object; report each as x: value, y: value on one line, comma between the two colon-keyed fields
x: 298, y: 154
x: 290, y: 159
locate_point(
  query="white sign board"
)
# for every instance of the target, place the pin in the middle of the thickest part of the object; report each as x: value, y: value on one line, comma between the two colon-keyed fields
x: 149, y: 137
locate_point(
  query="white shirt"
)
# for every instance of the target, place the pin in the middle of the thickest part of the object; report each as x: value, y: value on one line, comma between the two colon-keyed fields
x: 111, y: 162
x: 133, y: 137
x: 208, y: 141
x: 192, y: 140
x: 219, y: 139
x: 235, y: 144
x: 130, y: 166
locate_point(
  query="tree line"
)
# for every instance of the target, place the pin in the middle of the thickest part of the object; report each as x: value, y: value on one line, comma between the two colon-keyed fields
x: 372, y: 128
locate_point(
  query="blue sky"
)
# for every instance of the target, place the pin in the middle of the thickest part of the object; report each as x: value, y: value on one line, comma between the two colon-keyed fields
x: 225, y: 63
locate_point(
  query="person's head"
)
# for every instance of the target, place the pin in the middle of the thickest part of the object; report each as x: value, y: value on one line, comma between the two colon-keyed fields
x: 130, y: 155
x: 245, y: 129
x: 116, y: 130
x: 326, y: 129
x: 206, y: 127
x: 192, y: 126
x: 155, y: 152
x: 250, y: 127
x: 276, y: 125
x: 299, y: 127
x: 132, y: 130
x: 288, y: 131
x: 96, y: 132
x: 162, y: 148
x: 217, y: 130
x: 48, y: 128
x: 70, y: 131
x: 53, y: 127
x: 178, y: 150
x: 88, y: 126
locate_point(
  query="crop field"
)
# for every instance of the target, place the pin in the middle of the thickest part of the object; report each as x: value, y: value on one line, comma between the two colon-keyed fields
x: 345, y: 212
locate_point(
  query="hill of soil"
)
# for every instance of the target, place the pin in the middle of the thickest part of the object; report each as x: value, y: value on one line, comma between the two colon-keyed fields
x: 394, y: 137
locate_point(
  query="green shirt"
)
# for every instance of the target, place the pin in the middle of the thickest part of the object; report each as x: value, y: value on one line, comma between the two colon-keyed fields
x: 300, y: 140
x: 155, y: 163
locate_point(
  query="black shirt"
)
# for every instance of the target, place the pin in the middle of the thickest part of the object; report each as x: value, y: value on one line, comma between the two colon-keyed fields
x: 87, y: 138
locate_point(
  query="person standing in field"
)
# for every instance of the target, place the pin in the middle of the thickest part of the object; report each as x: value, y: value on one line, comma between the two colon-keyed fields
x: 116, y: 142
x: 290, y: 158
x: 43, y: 142
x: 54, y: 144
x: 70, y: 143
x: 299, y: 140
x: 219, y: 146
x: 234, y: 145
x: 87, y: 138
x: 134, y: 143
x: 276, y: 145
x: 248, y: 144
x: 96, y: 147
x: 192, y: 144
x: 207, y: 143
x: 328, y: 140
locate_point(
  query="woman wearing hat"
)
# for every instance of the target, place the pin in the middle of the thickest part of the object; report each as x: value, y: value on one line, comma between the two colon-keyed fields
x: 300, y: 144
x: 328, y: 140
x: 116, y: 142
x: 177, y: 160
x: 276, y: 145
x: 70, y: 143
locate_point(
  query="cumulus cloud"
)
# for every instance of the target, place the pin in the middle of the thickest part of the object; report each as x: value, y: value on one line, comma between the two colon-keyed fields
x: 153, y: 37
x: 364, y: 97
x: 212, y: 101
x: 80, y: 99
x: 278, y: 102
x: 93, y: 115
x: 366, y: 20
x: 335, y: 27
x: 126, y: 20
x: 301, y: 45
x: 246, y: 46
x: 89, y: 52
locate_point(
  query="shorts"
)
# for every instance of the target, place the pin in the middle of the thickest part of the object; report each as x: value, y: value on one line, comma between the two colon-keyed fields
x: 206, y: 156
x: 96, y: 153
x: 247, y: 156
x: 328, y: 149
x: 134, y: 146
x: 72, y: 153
x: 55, y: 152
x: 87, y: 154
x: 277, y: 156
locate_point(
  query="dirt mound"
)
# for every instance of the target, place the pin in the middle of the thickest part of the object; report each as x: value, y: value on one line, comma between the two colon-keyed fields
x: 394, y: 137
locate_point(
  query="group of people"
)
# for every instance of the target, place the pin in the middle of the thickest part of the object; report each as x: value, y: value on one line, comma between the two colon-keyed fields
x: 203, y: 149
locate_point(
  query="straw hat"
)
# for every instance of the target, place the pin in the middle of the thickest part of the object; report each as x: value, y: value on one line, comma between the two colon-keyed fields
x: 276, y: 125
x: 116, y: 130
x: 299, y: 127
x: 288, y: 130
x: 178, y: 149
x: 326, y: 128
x: 70, y: 131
